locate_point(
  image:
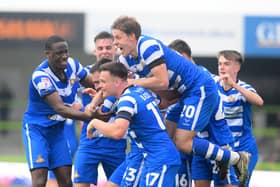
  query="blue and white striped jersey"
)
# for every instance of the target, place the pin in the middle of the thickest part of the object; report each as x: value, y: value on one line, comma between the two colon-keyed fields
x: 182, y: 72
x: 147, y: 128
x: 238, y: 113
x: 44, y: 82
x: 218, y: 130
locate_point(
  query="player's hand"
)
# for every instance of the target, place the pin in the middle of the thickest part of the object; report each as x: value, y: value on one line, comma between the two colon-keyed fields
x: 130, y: 75
x: 102, y: 116
x: 77, y: 106
x: 90, y: 128
x: 226, y: 79
x: 89, y: 112
x: 164, y: 103
x: 91, y: 108
x: 89, y: 91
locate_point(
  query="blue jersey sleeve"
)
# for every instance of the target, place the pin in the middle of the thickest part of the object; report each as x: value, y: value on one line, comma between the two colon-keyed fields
x: 42, y: 83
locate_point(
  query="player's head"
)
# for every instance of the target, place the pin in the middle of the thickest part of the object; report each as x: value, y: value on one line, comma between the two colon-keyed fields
x: 94, y: 71
x: 182, y: 47
x: 229, y: 61
x: 104, y: 47
x: 126, y: 31
x: 113, y: 78
x: 57, y: 52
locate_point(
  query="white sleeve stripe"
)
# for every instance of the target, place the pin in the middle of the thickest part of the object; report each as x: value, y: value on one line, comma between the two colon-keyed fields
x: 71, y: 62
x: 39, y: 73
x: 156, y: 55
x: 128, y: 98
x: 126, y: 109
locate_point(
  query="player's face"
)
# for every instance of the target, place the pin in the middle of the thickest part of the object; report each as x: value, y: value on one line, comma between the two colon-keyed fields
x: 58, y: 55
x: 104, y: 48
x: 126, y: 43
x: 226, y: 66
x: 95, y: 80
x: 108, y: 84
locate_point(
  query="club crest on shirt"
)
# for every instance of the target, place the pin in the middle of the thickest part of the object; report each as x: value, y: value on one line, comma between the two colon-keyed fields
x: 72, y: 81
x: 76, y: 175
x: 231, y: 98
x: 44, y: 84
x: 142, y: 63
x: 40, y: 159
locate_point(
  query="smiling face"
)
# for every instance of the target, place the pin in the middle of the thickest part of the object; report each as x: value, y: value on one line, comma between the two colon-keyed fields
x: 104, y: 48
x: 125, y: 42
x: 108, y: 84
x: 95, y: 80
x: 226, y: 66
x: 58, y: 55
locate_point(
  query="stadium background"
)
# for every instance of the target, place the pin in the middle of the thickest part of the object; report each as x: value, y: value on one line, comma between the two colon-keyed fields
x: 253, y: 31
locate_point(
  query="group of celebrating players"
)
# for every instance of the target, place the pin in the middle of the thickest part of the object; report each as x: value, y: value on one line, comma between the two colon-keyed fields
x: 204, y: 133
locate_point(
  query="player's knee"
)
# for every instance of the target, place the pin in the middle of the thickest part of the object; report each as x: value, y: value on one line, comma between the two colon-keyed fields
x: 39, y: 177
x: 65, y: 183
x: 39, y: 181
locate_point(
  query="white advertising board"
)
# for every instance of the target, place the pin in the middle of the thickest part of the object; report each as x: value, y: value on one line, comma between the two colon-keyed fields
x: 18, y: 174
x: 206, y: 33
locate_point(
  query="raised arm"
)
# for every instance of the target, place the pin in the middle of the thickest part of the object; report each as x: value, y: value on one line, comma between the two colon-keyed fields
x: 158, y: 80
x: 55, y: 101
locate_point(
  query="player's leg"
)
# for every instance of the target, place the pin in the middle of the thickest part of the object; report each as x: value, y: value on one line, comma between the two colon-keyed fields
x: 172, y: 117
x: 51, y: 180
x: 117, y: 176
x: 184, y: 177
x: 85, y: 166
x: 39, y: 177
x: 36, y: 149
x: 201, y: 171
x: 62, y: 175
x: 252, y: 165
x: 128, y: 173
x: 70, y: 134
x: 60, y: 158
x: 158, y: 176
x: 253, y: 150
x: 194, y: 118
x: 111, y: 160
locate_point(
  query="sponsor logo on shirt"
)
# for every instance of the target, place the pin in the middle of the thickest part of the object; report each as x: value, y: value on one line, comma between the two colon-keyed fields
x: 40, y: 159
x: 231, y: 98
x: 76, y: 175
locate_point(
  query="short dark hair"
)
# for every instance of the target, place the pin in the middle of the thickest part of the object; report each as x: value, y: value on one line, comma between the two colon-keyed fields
x: 232, y: 55
x: 116, y: 69
x: 51, y: 40
x: 103, y: 35
x: 97, y: 65
x: 181, y: 46
x: 128, y: 25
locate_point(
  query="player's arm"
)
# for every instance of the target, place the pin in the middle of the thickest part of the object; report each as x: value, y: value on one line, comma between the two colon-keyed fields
x: 251, y: 97
x: 158, y: 80
x: 97, y: 98
x: 55, y: 101
x: 115, y: 130
x: 171, y: 128
x: 87, y: 81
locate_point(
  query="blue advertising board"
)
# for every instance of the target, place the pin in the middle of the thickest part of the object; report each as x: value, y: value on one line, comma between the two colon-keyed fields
x: 262, y: 36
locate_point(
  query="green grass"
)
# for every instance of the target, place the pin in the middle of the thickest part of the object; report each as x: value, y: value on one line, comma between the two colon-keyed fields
x: 10, y: 125
x: 12, y: 158
x: 269, y: 166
